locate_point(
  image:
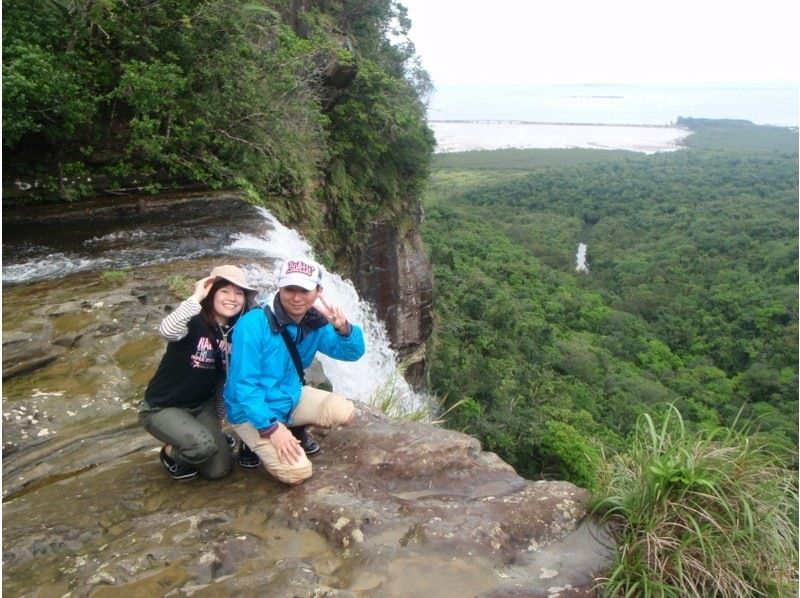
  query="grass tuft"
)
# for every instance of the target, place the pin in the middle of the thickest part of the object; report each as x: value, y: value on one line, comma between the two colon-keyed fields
x: 180, y: 286
x: 394, y: 401
x: 116, y: 276
x: 705, y: 514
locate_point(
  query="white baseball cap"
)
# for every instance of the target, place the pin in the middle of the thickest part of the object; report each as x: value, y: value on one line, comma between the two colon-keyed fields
x: 300, y: 272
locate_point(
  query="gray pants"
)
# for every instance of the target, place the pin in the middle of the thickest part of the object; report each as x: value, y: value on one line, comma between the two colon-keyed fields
x: 195, y: 435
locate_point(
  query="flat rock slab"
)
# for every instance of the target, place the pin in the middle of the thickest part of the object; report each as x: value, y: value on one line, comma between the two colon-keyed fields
x: 393, y: 509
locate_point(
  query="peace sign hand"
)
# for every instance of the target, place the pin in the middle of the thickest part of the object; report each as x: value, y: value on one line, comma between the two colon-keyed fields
x: 334, y: 315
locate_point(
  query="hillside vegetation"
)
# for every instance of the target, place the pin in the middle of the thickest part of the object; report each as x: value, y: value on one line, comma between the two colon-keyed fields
x: 306, y: 105
x: 665, y: 378
x: 691, y: 297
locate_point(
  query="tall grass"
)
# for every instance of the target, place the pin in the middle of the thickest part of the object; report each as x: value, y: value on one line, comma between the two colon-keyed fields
x: 705, y: 514
x: 392, y: 400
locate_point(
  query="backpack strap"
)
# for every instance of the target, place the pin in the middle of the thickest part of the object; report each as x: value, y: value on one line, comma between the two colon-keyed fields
x: 276, y: 329
x: 217, y: 351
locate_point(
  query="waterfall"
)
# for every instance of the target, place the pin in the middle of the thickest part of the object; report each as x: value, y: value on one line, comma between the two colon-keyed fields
x: 221, y: 229
x: 580, y: 259
x: 359, y: 380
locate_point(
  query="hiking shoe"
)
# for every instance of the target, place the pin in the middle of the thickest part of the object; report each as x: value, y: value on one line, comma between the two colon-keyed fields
x: 176, y: 471
x: 230, y: 440
x: 247, y: 458
x: 310, y: 446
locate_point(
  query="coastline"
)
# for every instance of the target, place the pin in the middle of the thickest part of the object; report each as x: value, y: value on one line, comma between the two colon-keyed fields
x: 491, y: 134
x: 497, y: 121
x: 637, y: 117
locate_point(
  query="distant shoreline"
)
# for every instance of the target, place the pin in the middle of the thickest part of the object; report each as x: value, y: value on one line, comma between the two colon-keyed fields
x: 494, y: 121
x: 599, y: 105
x: 457, y: 135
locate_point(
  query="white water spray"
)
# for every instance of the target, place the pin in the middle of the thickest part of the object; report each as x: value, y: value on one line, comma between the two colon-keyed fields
x: 361, y: 379
x: 580, y: 259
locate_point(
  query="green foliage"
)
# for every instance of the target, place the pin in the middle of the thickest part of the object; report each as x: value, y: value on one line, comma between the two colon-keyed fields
x: 579, y: 458
x: 42, y: 95
x: 302, y: 106
x: 737, y: 134
x: 705, y: 514
x: 180, y: 286
x: 521, y: 159
x: 379, y: 140
x: 690, y: 299
x: 115, y: 276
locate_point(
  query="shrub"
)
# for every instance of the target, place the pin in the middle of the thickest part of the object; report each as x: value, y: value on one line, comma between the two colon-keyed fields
x: 709, y: 514
x: 577, y: 457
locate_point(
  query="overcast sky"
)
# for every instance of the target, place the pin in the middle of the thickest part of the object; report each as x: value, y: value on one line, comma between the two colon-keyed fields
x: 606, y: 41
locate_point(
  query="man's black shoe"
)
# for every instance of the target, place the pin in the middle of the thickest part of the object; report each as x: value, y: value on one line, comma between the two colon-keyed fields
x: 247, y: 458
x: 310, y: 446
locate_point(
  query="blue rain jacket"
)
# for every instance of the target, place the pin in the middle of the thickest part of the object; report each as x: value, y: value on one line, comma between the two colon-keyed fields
x: 263, y: 386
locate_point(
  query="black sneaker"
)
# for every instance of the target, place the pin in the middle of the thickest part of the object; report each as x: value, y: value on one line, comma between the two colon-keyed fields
x: 176, y: 470
x: 231, y: 441
x: 247, y: 458
x: 310, y: 446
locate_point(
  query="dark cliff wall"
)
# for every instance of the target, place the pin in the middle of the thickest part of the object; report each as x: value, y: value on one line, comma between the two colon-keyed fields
x: 393, y: 272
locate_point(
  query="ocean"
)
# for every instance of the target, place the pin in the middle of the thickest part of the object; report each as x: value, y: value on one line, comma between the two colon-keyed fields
x: 634, y: 117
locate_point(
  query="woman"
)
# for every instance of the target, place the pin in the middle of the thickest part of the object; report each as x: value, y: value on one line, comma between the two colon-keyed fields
x: 179, y: 405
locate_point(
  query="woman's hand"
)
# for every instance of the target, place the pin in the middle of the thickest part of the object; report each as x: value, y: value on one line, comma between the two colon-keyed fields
x: 201, y: 288
x: 287, y: 446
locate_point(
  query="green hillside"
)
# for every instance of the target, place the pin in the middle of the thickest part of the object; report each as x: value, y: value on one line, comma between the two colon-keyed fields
x: 306, y: 106
x: 690, y: 298
x: 665, y: 378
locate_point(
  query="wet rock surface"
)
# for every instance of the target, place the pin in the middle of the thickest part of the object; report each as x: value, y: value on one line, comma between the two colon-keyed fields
x: 359, y: 527
x: 393, y: 509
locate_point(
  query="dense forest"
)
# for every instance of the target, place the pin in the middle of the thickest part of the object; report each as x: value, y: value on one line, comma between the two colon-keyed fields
x: 690, y: 298
x: 664, y: 378
x: 307, y: 106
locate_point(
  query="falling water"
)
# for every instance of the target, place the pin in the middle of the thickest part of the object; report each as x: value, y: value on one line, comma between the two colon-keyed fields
x: 375, y: 370
x: 580, y: 259
x: 210, y: 228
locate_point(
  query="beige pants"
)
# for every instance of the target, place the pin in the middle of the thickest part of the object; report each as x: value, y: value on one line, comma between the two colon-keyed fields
x: 316, y: 407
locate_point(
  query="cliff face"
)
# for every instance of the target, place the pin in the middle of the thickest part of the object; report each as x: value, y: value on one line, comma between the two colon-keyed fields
x: 393, y: 272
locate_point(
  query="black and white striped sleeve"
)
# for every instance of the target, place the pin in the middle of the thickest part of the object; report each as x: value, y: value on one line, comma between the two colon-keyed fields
x: 176, y: 325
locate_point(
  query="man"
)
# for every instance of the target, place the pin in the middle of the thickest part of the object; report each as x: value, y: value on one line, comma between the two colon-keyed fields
x: 264, y: 393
